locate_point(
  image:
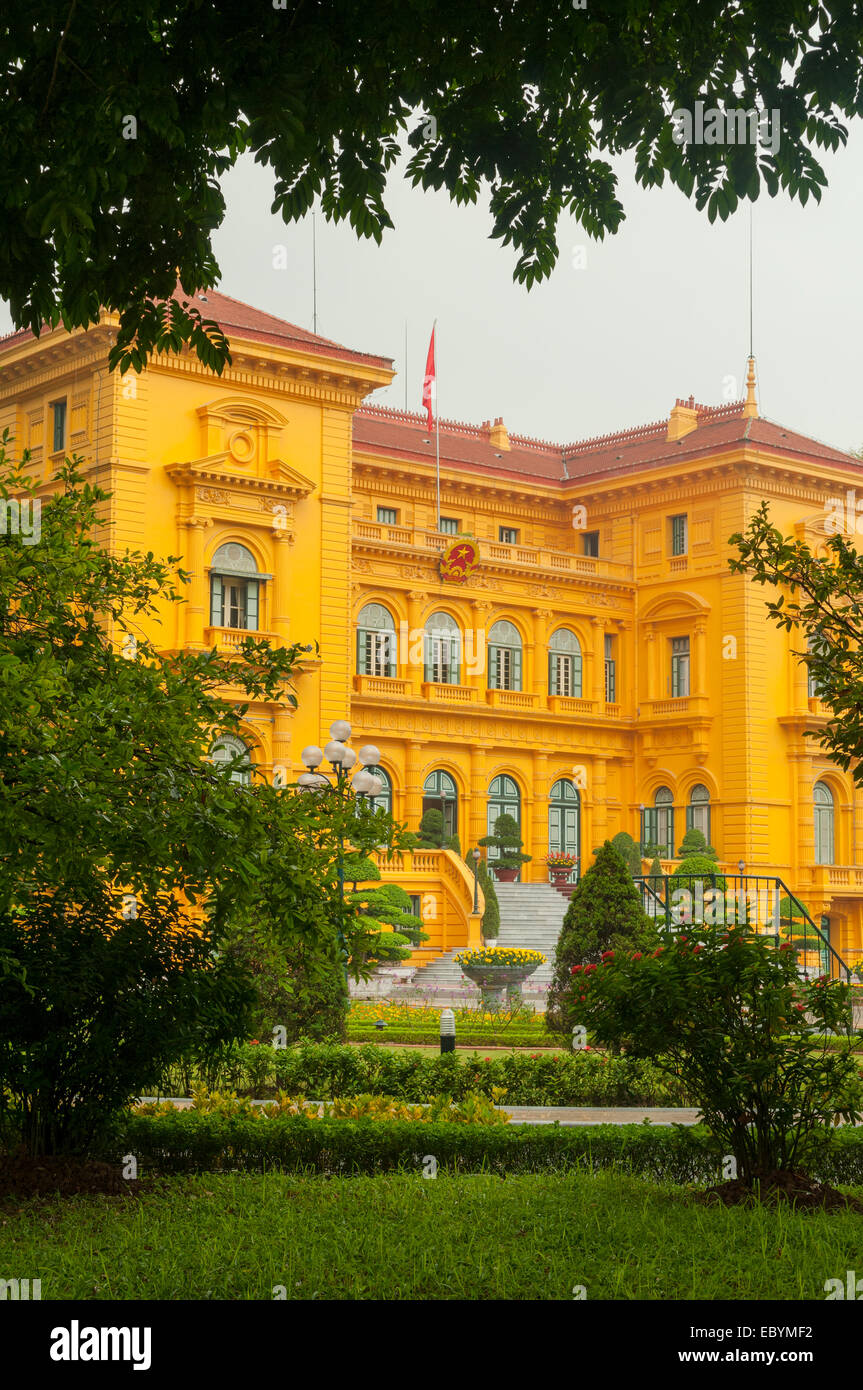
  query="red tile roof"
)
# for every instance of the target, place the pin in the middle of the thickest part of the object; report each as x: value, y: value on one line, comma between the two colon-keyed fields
x: 403, y: 434
x: 241, y: 320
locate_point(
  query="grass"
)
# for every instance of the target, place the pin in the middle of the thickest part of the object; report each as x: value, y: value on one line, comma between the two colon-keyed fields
x: 404, y: 1237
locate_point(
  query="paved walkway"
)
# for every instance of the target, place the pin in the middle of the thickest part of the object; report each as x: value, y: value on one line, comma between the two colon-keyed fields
x: 548, y: 1114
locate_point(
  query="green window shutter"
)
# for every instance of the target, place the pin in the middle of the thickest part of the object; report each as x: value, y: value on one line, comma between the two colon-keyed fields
x: 252, y: 605
x: 454, y: 662
x: 552, y: 675
x: 216, y: 600
x: 576, y: 676
x: 361, y: 666
x: 516, y: 669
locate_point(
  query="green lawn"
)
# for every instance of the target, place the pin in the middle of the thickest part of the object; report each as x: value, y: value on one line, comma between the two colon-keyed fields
x: 405, y: 1237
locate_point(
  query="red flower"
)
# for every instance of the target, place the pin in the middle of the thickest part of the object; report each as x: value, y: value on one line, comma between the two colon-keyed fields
x: 637, y: 955
x: 582, y: 996
x: 587, y: 1048
x: 607, y: 955
x: 255, y: 1043
x: 575, y: 969
x: 659, y: 952
x: 683, y: 940
x: 696, y: 949
x: 800, y: 1007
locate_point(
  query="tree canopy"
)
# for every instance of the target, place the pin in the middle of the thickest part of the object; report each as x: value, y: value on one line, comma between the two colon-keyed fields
x: 118, y: 122
x: 818, y: 600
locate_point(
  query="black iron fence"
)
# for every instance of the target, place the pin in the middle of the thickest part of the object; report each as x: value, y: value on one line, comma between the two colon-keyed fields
x: 762, y: 903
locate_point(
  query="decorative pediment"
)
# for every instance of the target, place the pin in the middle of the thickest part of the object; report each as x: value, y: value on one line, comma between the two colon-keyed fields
x: 220, y: 470
x: 248, y: 432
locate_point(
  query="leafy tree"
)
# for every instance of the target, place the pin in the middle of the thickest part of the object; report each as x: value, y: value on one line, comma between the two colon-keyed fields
x: 120, y: 121
x: 628, y: 850
x: 695, y: 843
x: 297, y: 987
x: 605, y: 913
x: 507, y: 839
x: 728, y: 1019
x: 111, y: 815
x: 656, y: 869
x: 820, y: 600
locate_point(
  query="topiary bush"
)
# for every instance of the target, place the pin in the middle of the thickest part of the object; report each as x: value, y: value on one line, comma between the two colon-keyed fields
x: 694, y: 842
x: 507, y: 839
x: 628, y: 851
x: 431, y: 832
x: 604, y: 912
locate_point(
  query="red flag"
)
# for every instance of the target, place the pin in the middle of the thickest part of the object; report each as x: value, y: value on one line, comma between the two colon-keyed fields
x: 430, y: 382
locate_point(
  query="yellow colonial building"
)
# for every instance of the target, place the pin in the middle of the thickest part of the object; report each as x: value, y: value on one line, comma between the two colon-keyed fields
x: 595, y: 667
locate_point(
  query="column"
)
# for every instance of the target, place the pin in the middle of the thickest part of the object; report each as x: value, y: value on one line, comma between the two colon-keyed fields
x: 279, y: 616
x: 599, y: 663
x: 479, y: 795
x: 198, y: 607
x: 651, y: 644
x: 536, y: 872
x: 541, y: 618
x: 700, y: 671
x: 412, y: 655
x: 481, y: 612
x: 414, y: 763
x: 598, y: 800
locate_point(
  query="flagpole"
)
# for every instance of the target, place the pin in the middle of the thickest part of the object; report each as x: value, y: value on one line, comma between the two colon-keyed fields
x: 437, y: 429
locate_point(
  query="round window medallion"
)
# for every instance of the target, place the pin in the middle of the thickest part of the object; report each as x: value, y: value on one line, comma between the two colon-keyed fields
x: 242, y: 446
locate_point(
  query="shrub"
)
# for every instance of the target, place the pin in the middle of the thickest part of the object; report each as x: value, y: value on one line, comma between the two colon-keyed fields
x: 431, y: 833
x: 628, y: 851
x: 454, y: 843
x: 604, y: 911
x: 193, y: 1142
x: 695, y: 843
x: 389, y: 946
x: 728, y: 1017
x: 325, y: 1071
x: 300, y: 987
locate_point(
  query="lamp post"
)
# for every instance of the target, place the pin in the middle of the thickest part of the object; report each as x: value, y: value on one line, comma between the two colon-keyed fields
x: 475, y: 855
x: 342, y: 760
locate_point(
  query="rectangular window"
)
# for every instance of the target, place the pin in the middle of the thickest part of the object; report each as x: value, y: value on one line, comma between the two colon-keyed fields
x: 441, y: 659
x: 233, y: 602
x: 560, y: 680
x: 591, y: 543
x: 416, y: 906
x: 679, y: 666
x: 504, y: 668
x: 449, y: 525
x: 376, y: 654
x: 388, y: 516
x: 679, y: 537
x: 610, y: 671
x: 58, y: 425
x: 507, y: 535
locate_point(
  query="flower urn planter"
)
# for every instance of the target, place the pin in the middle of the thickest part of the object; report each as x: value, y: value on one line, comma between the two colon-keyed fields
x: 506, y: 875
x: 495, y: 981
x: 559, y: 876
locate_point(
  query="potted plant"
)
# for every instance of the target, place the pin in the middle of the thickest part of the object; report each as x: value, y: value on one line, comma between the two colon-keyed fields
x: 507, y: 841
x: 499, y: 969
x: 560, y: 865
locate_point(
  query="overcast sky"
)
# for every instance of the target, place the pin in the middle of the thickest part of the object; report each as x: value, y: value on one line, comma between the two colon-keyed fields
x: 659, y: 310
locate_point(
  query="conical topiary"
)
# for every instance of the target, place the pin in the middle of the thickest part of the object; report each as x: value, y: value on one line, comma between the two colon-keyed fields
x: 605, y: 913
x: 431, y: 832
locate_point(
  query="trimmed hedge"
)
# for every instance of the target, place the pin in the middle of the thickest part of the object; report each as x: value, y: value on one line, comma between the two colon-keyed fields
x: 326, y: 1070
x: 465, y: 1037
x: 192, y: 1142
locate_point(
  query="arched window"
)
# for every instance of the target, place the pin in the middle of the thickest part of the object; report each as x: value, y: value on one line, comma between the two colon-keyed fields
x: 564, y: 664
x: 658, y: 823
x: 564, y: 821
x: 442, y: 644
x: 234, y: 587
x: 698, y: 810
x: 441, y: 794
x: 504, y: 657
x: 384, y: 801
x: 824, y: 824
x: 376, y: 641
x: 227, y: 748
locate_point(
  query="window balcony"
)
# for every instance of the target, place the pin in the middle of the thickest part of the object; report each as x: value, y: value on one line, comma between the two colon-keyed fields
x: 383, y: 686
x: 231, y: 638
x: 570, y: 704
x: 512, y: 699
x: 441, y: 694
x: 417, y: 542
